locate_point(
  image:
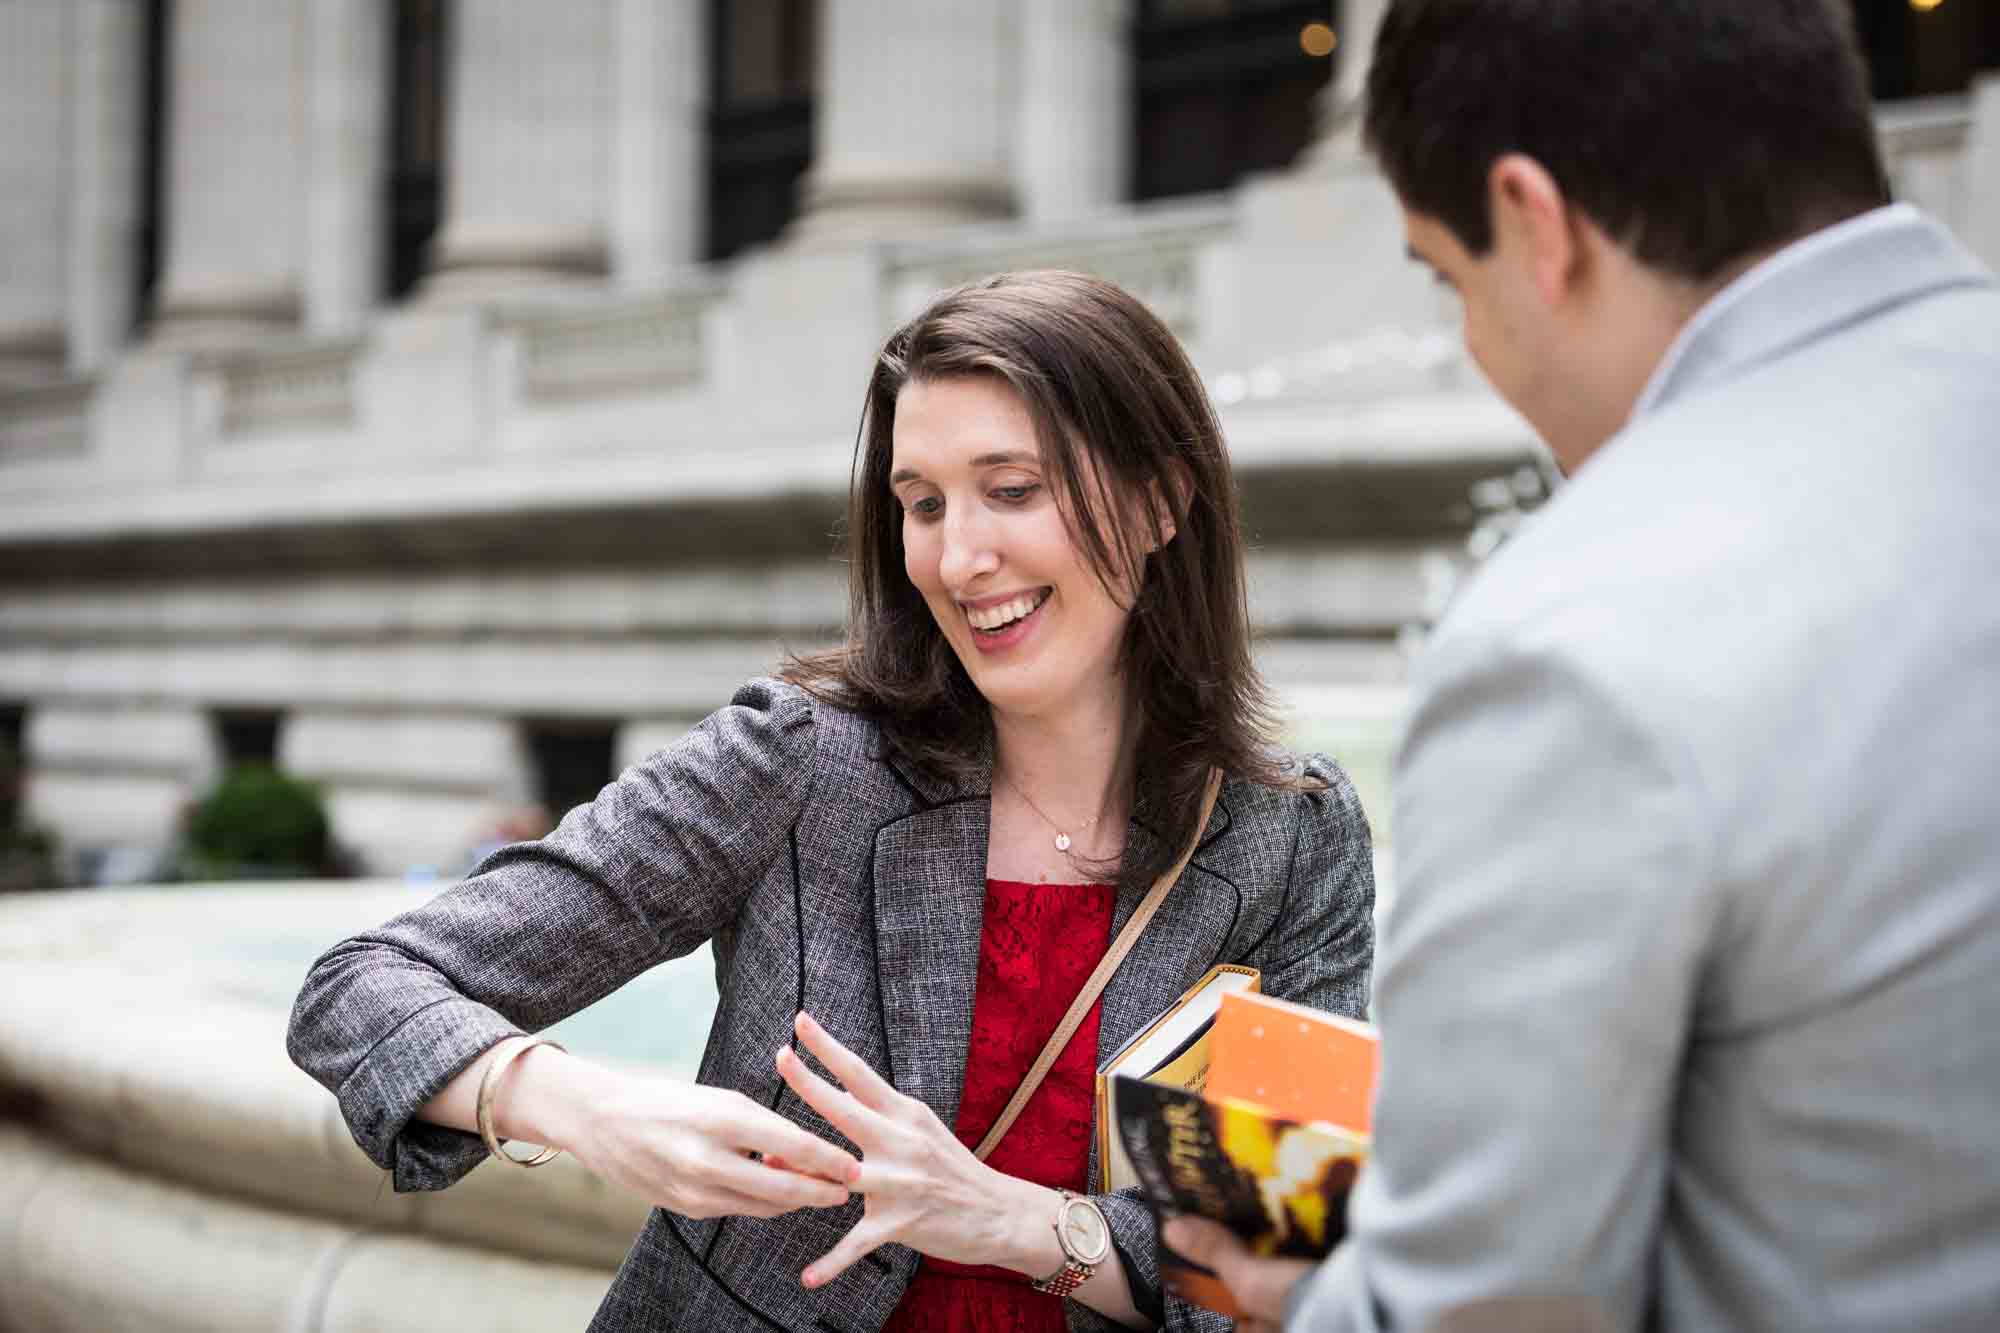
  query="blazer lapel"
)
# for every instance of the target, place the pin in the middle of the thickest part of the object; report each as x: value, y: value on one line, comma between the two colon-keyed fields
x: 929, y: 883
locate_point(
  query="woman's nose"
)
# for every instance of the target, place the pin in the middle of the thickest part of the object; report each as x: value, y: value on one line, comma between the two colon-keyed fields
x: 968, y: 552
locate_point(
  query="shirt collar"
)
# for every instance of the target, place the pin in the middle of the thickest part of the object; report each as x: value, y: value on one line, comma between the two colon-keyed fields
x: 1803, y: 251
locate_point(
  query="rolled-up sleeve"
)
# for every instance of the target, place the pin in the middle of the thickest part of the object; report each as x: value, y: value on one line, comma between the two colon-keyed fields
x: 661, y: 860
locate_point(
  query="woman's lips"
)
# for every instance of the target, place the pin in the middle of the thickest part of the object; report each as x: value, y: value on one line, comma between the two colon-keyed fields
x: 1011, y: 634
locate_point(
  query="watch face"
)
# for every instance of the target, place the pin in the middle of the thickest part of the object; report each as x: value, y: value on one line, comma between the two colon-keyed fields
x: 1084, y: 1234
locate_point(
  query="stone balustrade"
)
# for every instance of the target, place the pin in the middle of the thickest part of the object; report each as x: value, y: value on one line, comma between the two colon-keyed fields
x: 1163, y: 255
x: 45, y: 424
x: 655, y: 345
x: 304, y: 385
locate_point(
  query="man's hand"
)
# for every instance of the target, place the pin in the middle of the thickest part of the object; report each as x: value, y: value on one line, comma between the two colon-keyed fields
x: 1259, y: 1285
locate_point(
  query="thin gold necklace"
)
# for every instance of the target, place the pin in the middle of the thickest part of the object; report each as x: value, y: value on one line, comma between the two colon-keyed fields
x: 1062, y: 838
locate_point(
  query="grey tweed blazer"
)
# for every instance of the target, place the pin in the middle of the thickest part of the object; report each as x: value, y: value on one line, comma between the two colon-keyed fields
x: 829, y: 878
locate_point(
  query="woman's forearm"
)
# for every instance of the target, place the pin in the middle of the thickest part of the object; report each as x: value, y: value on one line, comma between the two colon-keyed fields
x: 541, y: 1097
x: 675, y: 1144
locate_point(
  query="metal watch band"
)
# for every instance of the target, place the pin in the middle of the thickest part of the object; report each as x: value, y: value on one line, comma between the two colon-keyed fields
x: 1067, y: 1278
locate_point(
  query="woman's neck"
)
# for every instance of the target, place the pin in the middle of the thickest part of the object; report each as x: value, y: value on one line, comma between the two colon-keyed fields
x: 1075, y: 764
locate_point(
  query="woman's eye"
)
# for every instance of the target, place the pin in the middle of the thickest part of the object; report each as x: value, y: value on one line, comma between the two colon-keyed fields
x: 928, y: 506
x: 1015, y: 494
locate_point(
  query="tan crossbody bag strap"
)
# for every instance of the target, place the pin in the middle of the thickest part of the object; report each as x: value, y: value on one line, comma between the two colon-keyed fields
x: 1095, y: 985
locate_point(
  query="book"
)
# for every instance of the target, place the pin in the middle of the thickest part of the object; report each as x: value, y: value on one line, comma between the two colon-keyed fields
x: 1270, y: 1146
x: 1303, y: 1064
x: 1172, y: 1050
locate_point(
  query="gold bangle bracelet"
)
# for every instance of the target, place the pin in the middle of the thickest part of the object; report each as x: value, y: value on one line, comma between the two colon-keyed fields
x: 489, y: 1085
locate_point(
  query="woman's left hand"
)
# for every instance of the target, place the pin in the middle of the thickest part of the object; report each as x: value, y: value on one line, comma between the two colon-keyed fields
x: 923, y: 1188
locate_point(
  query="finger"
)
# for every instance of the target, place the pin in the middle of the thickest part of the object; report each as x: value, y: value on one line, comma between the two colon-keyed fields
x: 771, y: 1135
x: 777, y: 1163
x: 787, y: 1188
x: 842, y: 1110
x: 855, y: 1074
x: 715, y: 1201
x: 1259, y: 1285
x: 863, y: 1240
x: 1201, y: 1240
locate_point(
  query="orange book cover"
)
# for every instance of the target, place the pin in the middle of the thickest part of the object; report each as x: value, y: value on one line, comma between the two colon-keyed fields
x: 1296, y: 1063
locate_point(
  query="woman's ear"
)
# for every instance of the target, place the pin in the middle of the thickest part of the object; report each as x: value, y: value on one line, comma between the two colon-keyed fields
x: 1164, y: 526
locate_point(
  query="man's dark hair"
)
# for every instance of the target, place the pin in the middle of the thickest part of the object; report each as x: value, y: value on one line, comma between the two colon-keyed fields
x: 1694, y: 132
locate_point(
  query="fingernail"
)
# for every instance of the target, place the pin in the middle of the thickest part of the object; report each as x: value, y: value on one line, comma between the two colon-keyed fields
x: 808, y: 1279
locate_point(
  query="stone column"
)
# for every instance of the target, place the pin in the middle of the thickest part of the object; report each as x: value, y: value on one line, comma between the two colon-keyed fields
x: 234, y: 225
x: 913, y: 117
x: 660, y: 186
x: 34, y: 189
x: 347, y: 101
x: 104, y: 182
x: 1342, y: 104
x: 527, y: 187
x: 1073, y: 131
x: 1982, y: 171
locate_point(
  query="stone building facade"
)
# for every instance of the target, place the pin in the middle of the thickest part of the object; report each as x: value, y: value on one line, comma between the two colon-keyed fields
x: 451, y: 402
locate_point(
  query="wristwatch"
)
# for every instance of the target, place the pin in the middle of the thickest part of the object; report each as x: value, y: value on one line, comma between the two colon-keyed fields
x: 1085, y: 1238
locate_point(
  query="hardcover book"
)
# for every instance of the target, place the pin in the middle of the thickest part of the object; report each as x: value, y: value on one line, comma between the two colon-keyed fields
x: 1172, y: 1050
x: 1272, y: 1144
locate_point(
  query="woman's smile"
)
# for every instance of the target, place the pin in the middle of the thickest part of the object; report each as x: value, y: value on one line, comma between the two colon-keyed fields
x: 1001, y: 623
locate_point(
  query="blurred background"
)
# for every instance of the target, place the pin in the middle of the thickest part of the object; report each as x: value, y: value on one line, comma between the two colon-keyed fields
x: 414, y: 411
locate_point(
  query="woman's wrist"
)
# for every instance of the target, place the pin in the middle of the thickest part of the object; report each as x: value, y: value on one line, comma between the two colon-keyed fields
x: 1027, y: 1232
x: 546, y: 1097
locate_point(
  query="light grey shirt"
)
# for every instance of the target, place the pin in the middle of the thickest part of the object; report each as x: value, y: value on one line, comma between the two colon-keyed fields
x: 1690, y: 995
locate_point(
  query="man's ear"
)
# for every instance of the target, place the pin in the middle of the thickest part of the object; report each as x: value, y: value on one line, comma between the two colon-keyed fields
x: 1532, y: 219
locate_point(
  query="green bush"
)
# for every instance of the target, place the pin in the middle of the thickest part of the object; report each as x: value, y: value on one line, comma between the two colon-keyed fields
x: 258, y: 821
x: 27, y: 853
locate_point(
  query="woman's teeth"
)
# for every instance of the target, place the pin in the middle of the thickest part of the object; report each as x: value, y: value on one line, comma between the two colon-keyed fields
x: 994, y: 617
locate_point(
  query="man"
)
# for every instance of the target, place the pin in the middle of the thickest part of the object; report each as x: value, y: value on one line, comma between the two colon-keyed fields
x: 1690, y: 998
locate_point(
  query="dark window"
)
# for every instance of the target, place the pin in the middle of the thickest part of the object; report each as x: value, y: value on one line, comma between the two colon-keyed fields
x: 156, y: 22
x: 1223, y: 88
x: 760, y: 134
x: 1924, y: 50
x: 247, y: 736
x: 414, y: 187
x: 13, y: 766
x: 572, y: 761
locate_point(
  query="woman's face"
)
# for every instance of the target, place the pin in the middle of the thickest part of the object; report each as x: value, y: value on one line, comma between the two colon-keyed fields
x: 985, y: 542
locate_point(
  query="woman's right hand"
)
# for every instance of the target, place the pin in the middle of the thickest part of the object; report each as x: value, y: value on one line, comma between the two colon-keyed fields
x: 676, y: 1144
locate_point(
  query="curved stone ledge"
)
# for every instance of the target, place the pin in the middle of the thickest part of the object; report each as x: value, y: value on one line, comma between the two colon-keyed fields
x: 87, y: 1247
x: 203, y: 1094
x: 131, y: 1049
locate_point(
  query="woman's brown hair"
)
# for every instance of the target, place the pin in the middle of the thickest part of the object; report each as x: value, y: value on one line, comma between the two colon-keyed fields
x: 1115, y: 403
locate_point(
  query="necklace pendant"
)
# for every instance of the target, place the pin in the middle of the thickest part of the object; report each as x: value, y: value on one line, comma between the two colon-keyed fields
x: 1062, y: 842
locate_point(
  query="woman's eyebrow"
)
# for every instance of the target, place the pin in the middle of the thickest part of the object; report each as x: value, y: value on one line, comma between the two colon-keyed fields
x: 1004, y: 459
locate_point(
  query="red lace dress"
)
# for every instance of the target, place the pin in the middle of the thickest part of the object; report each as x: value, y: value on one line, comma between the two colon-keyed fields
x: 1037, y: 946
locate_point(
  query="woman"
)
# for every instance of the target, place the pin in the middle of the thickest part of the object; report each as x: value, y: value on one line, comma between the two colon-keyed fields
x: 924, y: 842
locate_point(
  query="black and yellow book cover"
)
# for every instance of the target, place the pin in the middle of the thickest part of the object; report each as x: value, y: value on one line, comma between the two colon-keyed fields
x: 1279, y: 1184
